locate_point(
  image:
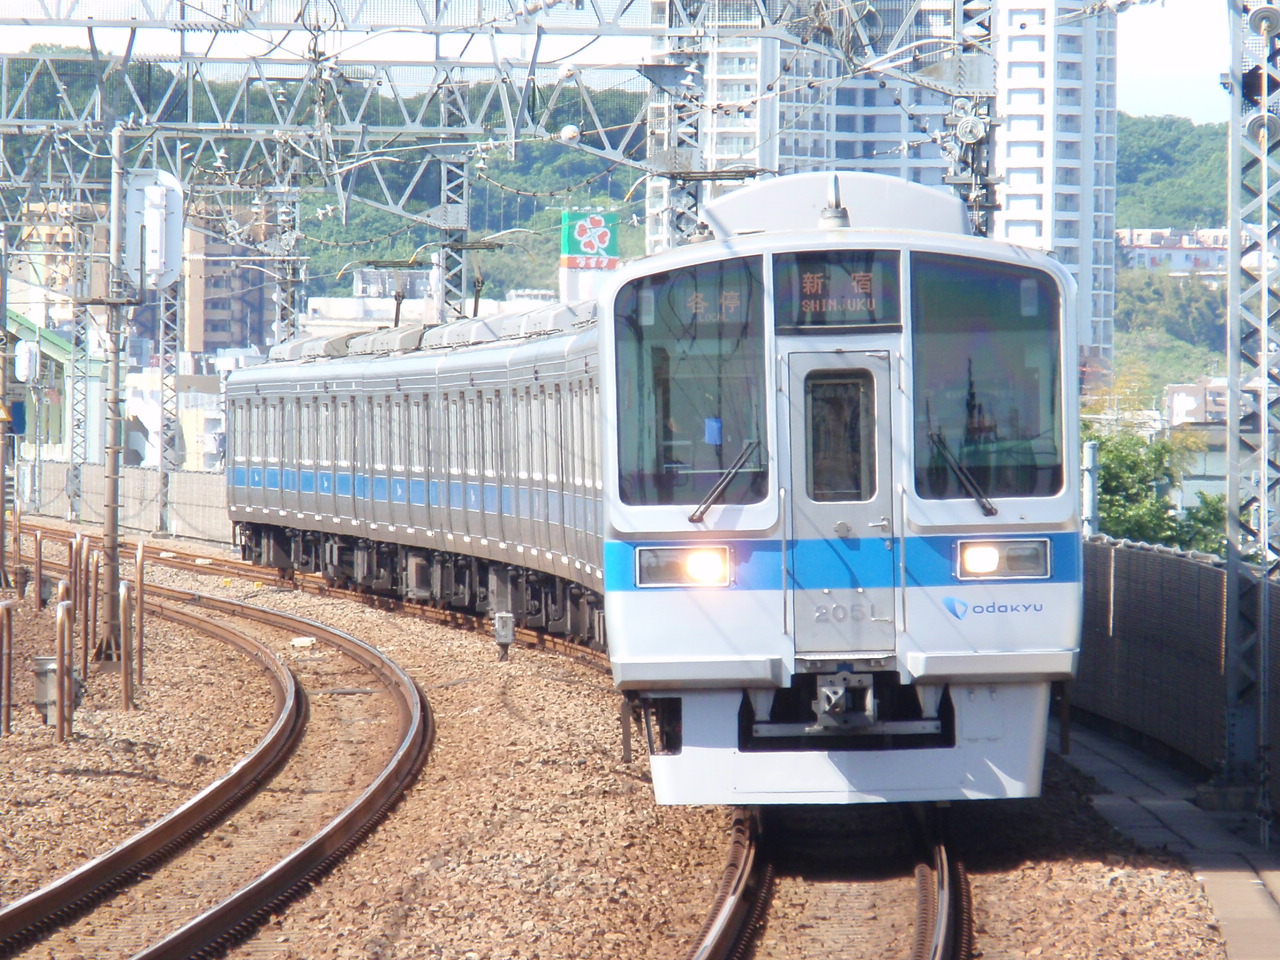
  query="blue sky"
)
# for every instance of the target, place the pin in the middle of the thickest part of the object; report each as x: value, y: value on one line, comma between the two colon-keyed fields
x: 1170, y: 56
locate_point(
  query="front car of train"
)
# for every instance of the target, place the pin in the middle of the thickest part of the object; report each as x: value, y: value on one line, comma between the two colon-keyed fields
x: 842, y: 544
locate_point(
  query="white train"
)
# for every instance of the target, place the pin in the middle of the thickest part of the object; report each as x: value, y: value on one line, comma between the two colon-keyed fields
x: 818, y: 476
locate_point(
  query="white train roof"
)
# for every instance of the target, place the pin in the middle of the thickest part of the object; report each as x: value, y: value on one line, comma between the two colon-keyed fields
x: 873, y: 201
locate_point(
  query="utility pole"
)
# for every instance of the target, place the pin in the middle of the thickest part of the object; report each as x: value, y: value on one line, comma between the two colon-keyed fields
x: 114, y: 440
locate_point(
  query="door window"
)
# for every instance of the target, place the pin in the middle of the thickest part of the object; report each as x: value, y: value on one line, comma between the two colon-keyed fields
x: 840, y: 435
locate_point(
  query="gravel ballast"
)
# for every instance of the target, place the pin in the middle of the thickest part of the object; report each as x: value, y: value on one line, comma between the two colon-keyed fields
x: 525, y: 836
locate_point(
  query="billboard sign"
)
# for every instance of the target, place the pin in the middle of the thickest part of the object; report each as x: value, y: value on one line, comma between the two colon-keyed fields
x: 589, y: 241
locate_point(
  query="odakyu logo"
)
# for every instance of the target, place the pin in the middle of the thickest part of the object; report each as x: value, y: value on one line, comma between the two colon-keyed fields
x: 959, y: 609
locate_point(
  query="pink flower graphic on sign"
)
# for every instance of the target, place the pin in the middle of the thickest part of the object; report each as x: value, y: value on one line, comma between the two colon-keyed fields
x: 592, y: 234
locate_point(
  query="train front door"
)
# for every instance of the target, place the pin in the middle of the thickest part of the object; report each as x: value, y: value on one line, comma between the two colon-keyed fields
x: 842, y: 548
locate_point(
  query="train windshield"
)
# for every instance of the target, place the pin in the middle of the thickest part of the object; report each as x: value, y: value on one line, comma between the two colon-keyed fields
x: 691, y: 393
x: 987, y: 370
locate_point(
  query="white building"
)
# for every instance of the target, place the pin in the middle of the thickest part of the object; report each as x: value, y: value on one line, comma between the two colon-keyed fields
x: 1202, y: 252
x: 1056, y: 83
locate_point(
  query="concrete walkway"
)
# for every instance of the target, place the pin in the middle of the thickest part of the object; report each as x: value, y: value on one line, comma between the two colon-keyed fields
x: 1155, y: 807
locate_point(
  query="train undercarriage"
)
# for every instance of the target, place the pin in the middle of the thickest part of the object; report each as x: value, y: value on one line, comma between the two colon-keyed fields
x: 437, y: 578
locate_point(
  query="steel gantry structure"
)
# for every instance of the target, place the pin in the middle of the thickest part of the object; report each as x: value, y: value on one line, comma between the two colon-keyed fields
x: 1253, y: 488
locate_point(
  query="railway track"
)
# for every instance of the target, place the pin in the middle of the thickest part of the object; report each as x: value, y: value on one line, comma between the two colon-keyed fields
x: 782, y: 898
x: 927, y: 909
x: 193, y: 882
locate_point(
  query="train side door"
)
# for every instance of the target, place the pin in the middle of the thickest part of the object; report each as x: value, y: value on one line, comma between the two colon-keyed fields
x: 841, y: 552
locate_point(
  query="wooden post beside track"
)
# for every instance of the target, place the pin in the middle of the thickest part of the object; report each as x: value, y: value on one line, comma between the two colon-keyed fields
x: 91, y: 602
x: 81, y: 598
x: 126, y: 647
x: 6, y: 665
x: 39, y: 570
x: 17, y: 537
x: 63, y: 657
x: 138, y: 597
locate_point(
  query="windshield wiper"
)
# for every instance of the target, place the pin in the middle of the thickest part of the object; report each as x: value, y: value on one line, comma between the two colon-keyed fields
x: 716, y: 492
x: 966, y: 478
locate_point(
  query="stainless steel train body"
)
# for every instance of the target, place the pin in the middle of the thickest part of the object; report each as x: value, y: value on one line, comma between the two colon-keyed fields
x: 821, y: 478
x: 464, y: 472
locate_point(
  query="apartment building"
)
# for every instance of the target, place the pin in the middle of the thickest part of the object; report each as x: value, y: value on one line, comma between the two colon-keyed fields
x: 1056, y: 83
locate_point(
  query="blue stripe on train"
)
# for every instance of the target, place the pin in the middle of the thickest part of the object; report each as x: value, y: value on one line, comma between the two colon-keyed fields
x: 839, y: 564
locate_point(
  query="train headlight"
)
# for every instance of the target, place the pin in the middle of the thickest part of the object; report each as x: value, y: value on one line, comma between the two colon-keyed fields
x: 682, y: 566
x: 1003, y: 559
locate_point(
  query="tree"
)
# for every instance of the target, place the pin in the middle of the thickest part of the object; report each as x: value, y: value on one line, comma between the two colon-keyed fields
x: 1133, y: 477
x: 1204, y: 527
x: 1170, y: 172
x: 1186, y: 308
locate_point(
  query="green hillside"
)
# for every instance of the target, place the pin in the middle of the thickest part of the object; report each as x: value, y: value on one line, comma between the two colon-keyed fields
x: 1170, y: 172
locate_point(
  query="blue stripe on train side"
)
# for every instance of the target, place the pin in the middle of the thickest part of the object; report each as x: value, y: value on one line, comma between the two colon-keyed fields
x: 819, y: 564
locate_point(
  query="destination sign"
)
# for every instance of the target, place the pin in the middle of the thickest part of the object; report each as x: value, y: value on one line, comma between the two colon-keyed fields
x: 837, y: 288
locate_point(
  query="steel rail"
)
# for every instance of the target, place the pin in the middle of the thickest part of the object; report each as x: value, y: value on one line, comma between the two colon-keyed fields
x: 944, y: 924
x: 79, y: 889
x: 740, y: 901
x: 240, y: 913
x: 236, y: 917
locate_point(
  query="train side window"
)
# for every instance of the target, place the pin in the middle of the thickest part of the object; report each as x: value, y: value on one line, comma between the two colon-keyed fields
x: 324, y: 430
x: 430, y: 426
x: 488, y: 449
x: 537, y: 466
x: 451, y: 438
x: 471, y: 431
x: 291, y: 430
x: 242, y: 432
x: 396, y: 452
x: 306, y: 428
x: 575, y: 428
x: 273, y: 432
x: 593, y: 436
x: 524, y: 441
x: 415, y: 436
x: 554, y: 447
x: 840, y: 440
x: 378, y: 431
x: 344, y: 435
